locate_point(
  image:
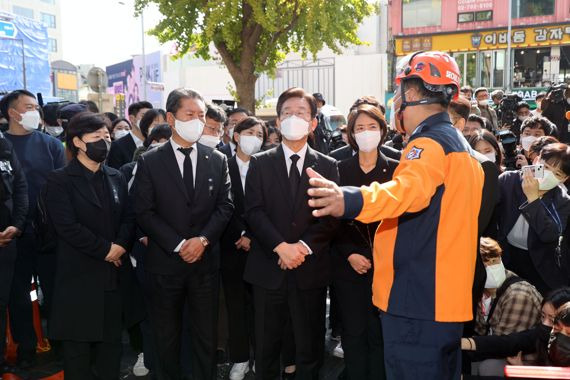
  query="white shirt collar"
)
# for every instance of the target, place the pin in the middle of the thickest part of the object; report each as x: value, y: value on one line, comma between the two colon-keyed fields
x: 241, y: 163
x: 138, y: 142
x: 180, y: 157
x: 288, y: 152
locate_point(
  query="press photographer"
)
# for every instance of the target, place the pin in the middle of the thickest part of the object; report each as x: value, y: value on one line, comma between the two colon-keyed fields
x: 555, y: 106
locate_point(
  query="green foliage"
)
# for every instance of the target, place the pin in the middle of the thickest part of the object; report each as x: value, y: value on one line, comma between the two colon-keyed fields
x: 253, y: 36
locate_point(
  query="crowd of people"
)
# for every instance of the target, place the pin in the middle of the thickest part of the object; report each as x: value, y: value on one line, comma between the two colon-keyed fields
x: 439, y: 235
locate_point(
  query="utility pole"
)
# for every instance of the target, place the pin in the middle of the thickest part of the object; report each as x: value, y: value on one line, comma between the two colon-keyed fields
x: 508, y: 58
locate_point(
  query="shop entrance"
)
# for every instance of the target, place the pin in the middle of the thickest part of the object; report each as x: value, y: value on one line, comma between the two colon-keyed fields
x: 467, y: 63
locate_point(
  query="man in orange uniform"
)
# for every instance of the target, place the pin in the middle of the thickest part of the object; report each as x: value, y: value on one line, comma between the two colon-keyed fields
x: 425, y: 248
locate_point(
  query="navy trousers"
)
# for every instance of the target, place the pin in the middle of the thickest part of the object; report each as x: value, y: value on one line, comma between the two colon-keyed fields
x: 418, y: 349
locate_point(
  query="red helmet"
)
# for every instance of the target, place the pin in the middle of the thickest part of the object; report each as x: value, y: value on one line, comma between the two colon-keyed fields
x: 436, y: 69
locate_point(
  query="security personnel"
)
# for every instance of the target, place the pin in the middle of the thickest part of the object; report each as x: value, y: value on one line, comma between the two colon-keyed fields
x: 425, y: 247
x: 13, y: 211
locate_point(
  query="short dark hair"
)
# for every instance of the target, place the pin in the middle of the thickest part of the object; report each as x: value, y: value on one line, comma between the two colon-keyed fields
x: 159, y: 132
x: 148, y: 118
x: 373, y: 112
x: 540, y: 143
x: 91, y: 106
x: 117, y: 121
x: 297, y: 92
x: 461, y: 107
x: 537, y: 121
x: 466, y: 88
x: 176, y: 96
x: 216, y: 113
x: 520, y: 105
x: 50, y: 113
x: 477, y: 119
x: 247, y: 123
x: 557, y: 154
x: 272, y: 130
x: 134, y: 108
x: 9, y: 99
x: 541, y: 94
x: 480, y: 89
x: 368, y: 99
x: 487, y: 136
x: 235, y: 110
x: 418, y: 84
x: 112, y: 116
x: 80, y: 125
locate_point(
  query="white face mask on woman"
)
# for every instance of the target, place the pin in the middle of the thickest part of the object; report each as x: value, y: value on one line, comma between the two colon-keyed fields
x: 549, y: 181
x: 250, y: 144
x: 120, y: 133
x: 368, y: 141
x: 491, y: 157
x: 496, y: 275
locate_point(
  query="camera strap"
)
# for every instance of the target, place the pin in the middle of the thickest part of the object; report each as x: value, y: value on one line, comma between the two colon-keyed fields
x: 556, y: 218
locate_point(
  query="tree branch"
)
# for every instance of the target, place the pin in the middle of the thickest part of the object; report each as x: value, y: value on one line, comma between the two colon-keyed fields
x: 279, y: 33
x: 229, y: 61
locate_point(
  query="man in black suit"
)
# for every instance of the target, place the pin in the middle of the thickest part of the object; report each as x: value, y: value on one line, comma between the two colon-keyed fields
x: 288, y: 263
x: 182, y: 202
x: 123, y: 149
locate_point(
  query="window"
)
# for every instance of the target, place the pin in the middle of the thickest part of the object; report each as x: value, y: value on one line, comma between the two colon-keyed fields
x: 465, y: 17
x: 21, y: 11
x: 484, y: 16
x: 421, y: 13
x: 530, y: 8
x: 49, y: 20
x: 467, y: 63
x: 52, y: 45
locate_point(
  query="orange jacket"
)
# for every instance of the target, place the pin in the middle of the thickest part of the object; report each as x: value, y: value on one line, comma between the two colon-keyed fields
x: 426, y: 245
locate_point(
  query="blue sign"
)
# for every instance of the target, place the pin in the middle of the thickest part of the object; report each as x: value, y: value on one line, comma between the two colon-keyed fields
x: 7, y: 29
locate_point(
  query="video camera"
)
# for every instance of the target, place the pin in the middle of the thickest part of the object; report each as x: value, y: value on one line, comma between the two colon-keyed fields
x: 557, y: 93
x: 509, y: 142
x: 508, y: 107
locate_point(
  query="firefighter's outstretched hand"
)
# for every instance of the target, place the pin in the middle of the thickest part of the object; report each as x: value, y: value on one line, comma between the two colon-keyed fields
x: 326, y: 196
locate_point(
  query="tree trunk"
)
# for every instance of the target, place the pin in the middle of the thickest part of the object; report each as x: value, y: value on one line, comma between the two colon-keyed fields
x: 245, y: 88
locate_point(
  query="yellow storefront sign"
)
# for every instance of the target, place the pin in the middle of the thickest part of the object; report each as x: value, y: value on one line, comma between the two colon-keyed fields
x: 66, y: 81
x: 486, y: 39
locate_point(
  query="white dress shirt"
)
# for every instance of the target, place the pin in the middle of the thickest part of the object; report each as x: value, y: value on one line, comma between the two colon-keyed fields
x: 300, y: 162
x: 288, y: 153
x: 243, y: 168
x: 181, y: 156
x: 138, y: 142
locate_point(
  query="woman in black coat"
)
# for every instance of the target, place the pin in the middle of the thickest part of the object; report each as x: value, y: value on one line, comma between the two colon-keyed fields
x: 532, y: 218
x: 87, y: 203
x: 352, y: 252
x: 249, y: 136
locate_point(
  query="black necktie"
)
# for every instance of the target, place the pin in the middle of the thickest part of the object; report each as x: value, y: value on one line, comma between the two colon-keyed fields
x: 294, y: 176
x: 188, y: 172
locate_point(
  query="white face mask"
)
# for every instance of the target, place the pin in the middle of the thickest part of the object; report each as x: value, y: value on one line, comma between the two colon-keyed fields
x: 496, y: 275
x: 482, y: 103
x: 491, y: 157
x: 211, y: 141
x: 30, y: 120
x: 548, y: 182
x: 250, y: 144
x: 526, y: 142
x: 294, y: 128
x: 368, y: 141
x: 54, y: 131
x: 522, y: 118
x: 190, y: 130
x: 139, y: 124
x: 121, y: 133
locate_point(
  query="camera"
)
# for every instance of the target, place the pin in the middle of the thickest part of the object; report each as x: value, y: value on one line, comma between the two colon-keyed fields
x: 557, y: 93
x: 508, y: 107
x: 509, y: 142
x: 336, y: 140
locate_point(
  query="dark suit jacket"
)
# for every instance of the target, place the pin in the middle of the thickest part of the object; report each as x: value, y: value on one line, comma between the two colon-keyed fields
x: 346, y: 151
x: 167, y: 216
x: 82, y: 245
x: 237, y: 223
x: 227, y: 150
x: 122, y: 151
x: 352, y: 236
x: 543, y: 233
x: 274, y: 218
